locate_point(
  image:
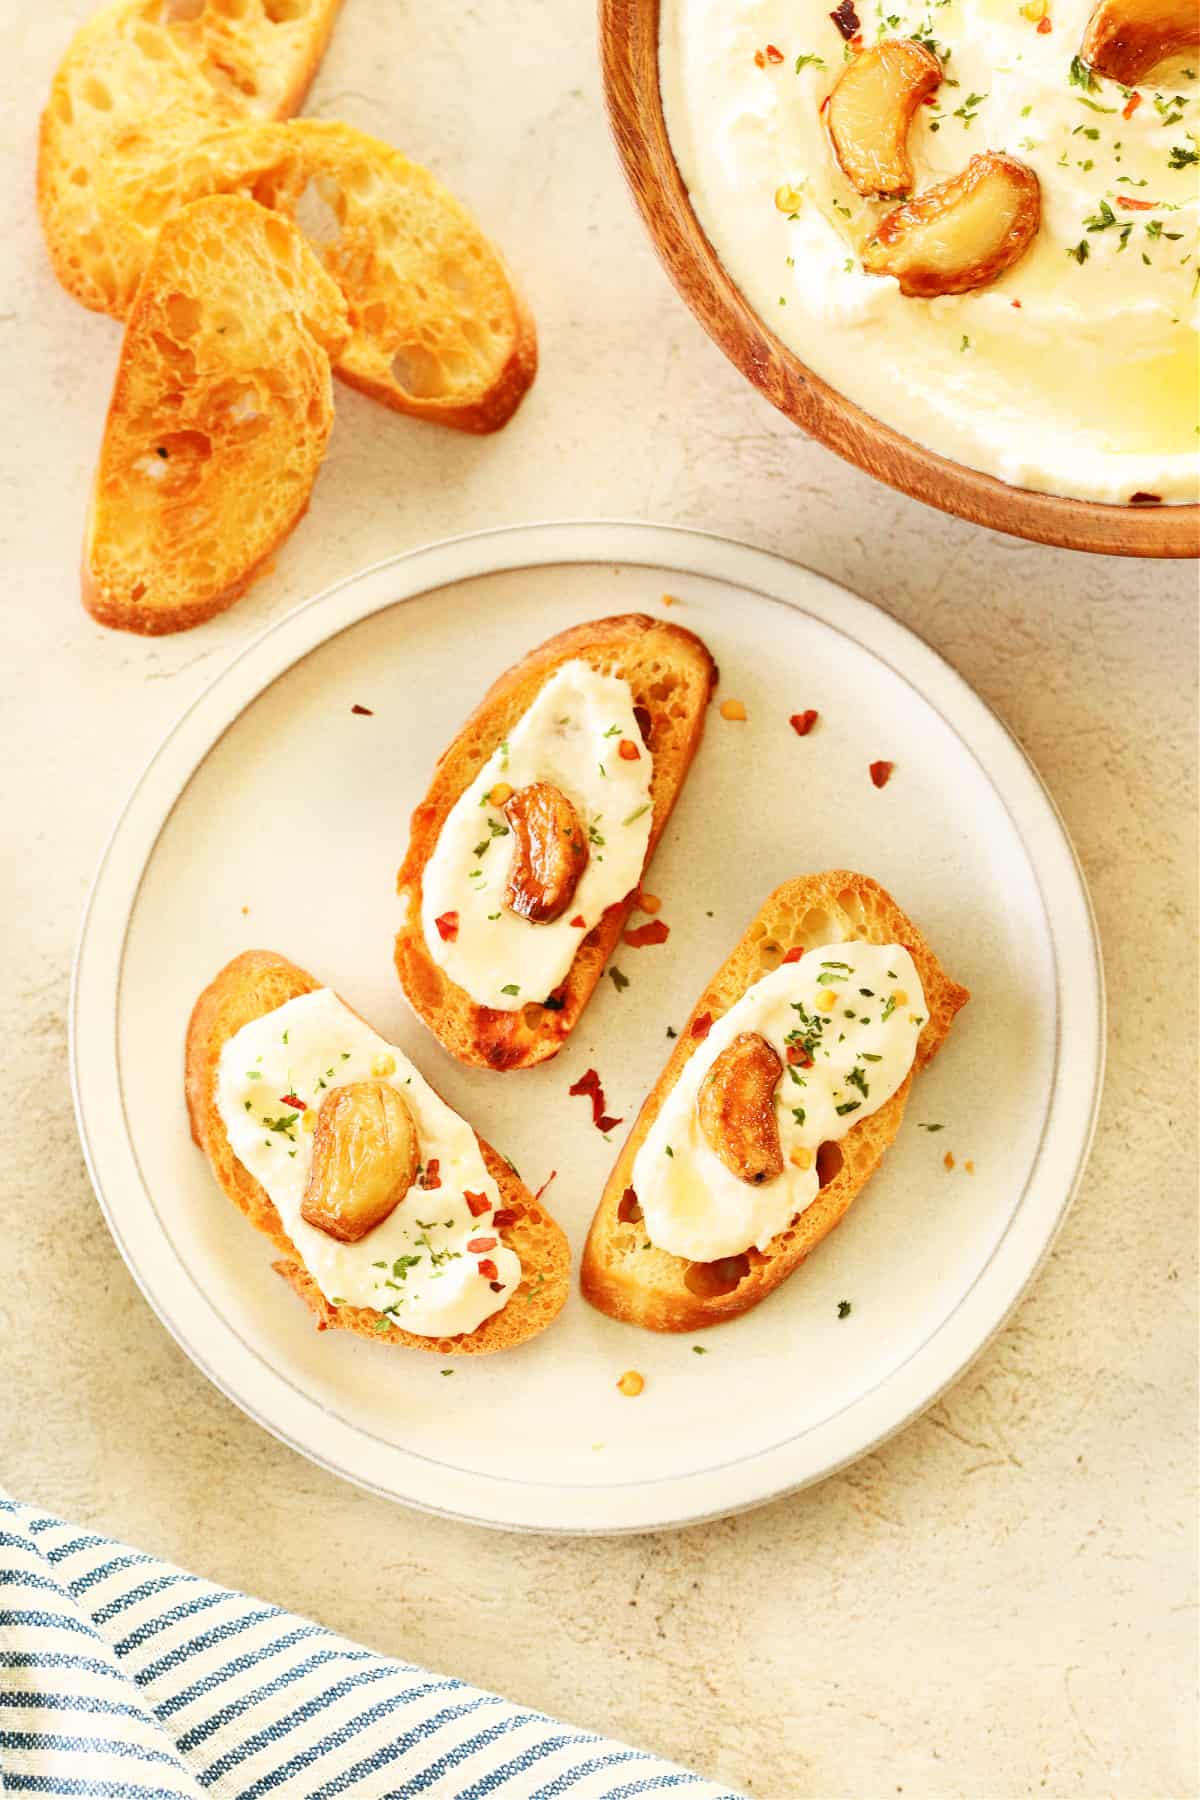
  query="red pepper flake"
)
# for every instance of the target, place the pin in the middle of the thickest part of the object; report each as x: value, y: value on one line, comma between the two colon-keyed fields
x: 760, y: 61
x: 589, y: 1084
x: 291, y: 1100
x: 1044, y: 26
x: 846, y: 19
x: 930, y: 100
x: 497, y: 1287
x: 856, y: 42
x: 478, y: 1246
x: 802, y: 723
x: 447, y: 926
x: 881, y: 773
x: 799, y: 1057
x: 431, y: 1178
x: 1131, y: 106
x: 652, y: 932
x: 488, y: 1268
x: 550, y: 1177
x: 774, y: 55
x: 368, y: 712
x: 503, y: 1217
x: 1142, y: 499
x: 794, y: 954
x: 579, y: 922
x: 478, y: 1203
x: 824, y: 106
x: 701, y: 1027
x: 628, y: 751
x: 1132, y: 205
x: 1017, y: 304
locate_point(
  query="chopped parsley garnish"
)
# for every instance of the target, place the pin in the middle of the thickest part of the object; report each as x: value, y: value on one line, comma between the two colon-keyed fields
x: 868, y: 1055
x: 798, y: 1114
x: 636, y: 813
x: 1181, y: 157
x: 670, y: 1153
x: 838, y: 965
x: 593, y: 835
x: 510, y: 988
x: 447, y: 1371
x: 810, y: 60
x: 1100, y: 221
x: 848, y: 1106
x: 619, y: 980
x: 969, y: 109
x: 671, y: 1033
x: 830, y: 979
x: 613, y: 731
x: 844, y: 1309
x: 856, y: 1079
x: 699, y: 1350
x: 1081, y: 76
x: 253, y: 1074
x: 921, y: 1126
x: 402, y: 1265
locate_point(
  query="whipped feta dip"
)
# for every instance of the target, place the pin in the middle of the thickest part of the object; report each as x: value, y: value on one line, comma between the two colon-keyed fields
x: 417, y: 1267
x: 1075, y: 373
x: 844, y: 1022
x: 580, y: 733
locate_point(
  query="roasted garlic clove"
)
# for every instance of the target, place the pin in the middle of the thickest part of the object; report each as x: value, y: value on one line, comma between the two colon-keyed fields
x: 1127, y: 39
x: 550, y: 852
x: 962, y: 233
x: 736, y: 1109
x: 365, y: 1156
x: 871, y: 109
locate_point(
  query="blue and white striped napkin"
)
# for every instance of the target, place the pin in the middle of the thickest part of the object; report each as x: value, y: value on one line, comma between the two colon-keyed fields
x: 122, y: 1678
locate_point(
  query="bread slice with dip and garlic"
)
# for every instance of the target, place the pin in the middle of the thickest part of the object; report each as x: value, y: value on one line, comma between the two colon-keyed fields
x: 220, y: 414
x: 786, y: 1086
x: 526, y: 855
x: 391, y: 1217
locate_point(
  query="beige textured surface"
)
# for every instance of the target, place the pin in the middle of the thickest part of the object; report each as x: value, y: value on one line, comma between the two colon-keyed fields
x: 1000, y: 1602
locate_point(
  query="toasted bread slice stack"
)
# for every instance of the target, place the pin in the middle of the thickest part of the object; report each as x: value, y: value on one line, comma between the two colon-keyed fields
x: 671, y: 676
x: 258, y: 982
x: 635, y: 1282
x: 438, y: 330
x: 143, y: 79
x: 219, y: 417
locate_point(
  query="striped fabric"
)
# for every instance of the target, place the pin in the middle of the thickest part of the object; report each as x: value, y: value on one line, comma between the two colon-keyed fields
x: 122, y: 1678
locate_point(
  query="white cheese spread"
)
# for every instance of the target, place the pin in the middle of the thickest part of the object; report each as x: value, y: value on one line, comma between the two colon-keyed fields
x: 1076, y: 372
x: 844, y: 1021
x: 417, y: 1266
x: 571, y: 738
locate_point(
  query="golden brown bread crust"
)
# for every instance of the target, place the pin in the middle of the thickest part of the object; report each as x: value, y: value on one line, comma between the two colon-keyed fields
x: 671, y: 675
x: 132, y: 77
x: 438, y: 330
x: 635, y: 1282
x: 221, y: 410
x: 257, y: 982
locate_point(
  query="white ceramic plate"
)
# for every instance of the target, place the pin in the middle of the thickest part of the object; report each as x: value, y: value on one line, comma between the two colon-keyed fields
x: 274, y: 816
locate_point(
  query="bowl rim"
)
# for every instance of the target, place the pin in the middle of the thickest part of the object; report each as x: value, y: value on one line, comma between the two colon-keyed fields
x: 629, y: 39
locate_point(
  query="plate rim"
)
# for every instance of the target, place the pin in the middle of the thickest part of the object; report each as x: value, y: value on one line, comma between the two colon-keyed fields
x: 579, y: 1509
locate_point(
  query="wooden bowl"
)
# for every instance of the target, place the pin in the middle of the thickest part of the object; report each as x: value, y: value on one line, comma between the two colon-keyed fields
x: 629, y: 55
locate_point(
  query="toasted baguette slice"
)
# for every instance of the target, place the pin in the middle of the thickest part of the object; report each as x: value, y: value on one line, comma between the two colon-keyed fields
x: 258, y: 982
x: 642, y: 1285
x: 158, y: 73
x: 671, y: 675
x: 219, y: 417
x: 438, y: 330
